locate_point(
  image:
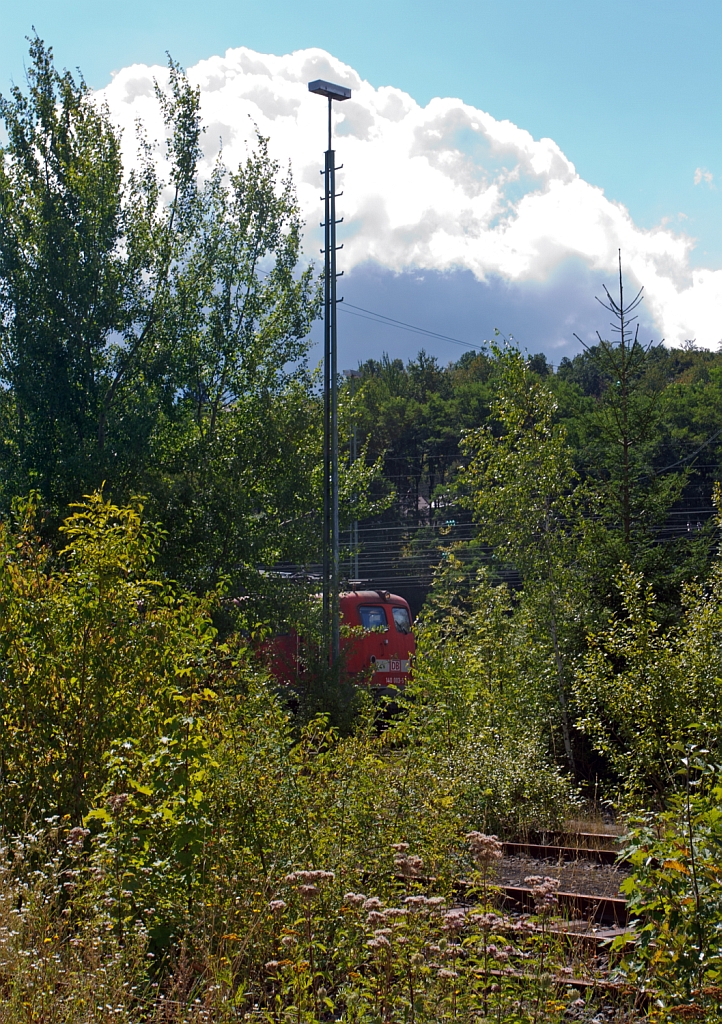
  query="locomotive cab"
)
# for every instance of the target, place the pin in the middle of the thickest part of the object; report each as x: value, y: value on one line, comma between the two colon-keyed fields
x: 387, y: 644
x: 383, y: 650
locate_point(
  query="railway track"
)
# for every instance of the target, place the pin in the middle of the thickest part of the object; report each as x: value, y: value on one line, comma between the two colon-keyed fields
x: 580, y: 909
x: 547, y: 851
x: 577, y: 906
x: 588, y: 864
x: 580, y: 840
x: 586, y: 916
x: 584, y: 923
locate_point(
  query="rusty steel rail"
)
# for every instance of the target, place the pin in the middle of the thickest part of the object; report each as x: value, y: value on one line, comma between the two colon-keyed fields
x: 619, y: 988
x: 584, y: 840
x: 594, y: 909
x: 579, y: 906
x: 542, y: 851
x: 608, y: 837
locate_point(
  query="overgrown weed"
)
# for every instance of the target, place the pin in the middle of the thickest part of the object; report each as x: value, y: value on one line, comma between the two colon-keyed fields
x: 315, y: 951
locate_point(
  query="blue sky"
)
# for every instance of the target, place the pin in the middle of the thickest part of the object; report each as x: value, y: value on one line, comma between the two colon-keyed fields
x: 629, y: 91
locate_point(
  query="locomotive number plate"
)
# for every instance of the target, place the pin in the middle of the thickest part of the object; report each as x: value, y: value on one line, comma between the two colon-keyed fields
x: 390, y: 665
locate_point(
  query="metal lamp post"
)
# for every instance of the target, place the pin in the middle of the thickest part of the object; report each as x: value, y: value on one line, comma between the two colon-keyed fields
x: 352, y: 376
x: 331, y: 567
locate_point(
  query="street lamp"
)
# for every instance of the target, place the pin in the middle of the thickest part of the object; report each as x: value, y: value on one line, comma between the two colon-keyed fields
x: 331, y: 568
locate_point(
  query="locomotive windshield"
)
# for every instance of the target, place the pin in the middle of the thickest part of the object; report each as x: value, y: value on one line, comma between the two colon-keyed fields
x: 373, y: 616
x: 402, y: 620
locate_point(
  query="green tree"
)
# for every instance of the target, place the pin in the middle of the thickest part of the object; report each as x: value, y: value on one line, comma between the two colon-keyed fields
x: 63, y: 281
x: 525, y: 496
x: 474, y: 718
x: 674, y: 892
x: 154, y: 333
x: 233, y: 465
x: 643, y: 688
x: 94, y: 649
x: 624, y: 451
x: 88, y: 268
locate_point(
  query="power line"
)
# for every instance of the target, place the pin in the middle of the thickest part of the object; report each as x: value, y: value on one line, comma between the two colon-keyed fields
x: 389, y: 321
x: 687, y: 458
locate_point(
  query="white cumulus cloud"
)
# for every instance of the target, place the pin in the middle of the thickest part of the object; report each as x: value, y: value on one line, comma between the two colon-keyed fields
x: 703, y: 175
x: 435, y: 188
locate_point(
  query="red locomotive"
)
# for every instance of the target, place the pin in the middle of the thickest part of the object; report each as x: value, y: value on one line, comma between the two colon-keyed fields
x: 385, y: 648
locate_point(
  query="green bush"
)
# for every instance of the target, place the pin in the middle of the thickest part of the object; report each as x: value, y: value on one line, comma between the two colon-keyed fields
x: 675, y: 893
x: 93, y: 649
x: 479, y: 708
x: 642, y: 688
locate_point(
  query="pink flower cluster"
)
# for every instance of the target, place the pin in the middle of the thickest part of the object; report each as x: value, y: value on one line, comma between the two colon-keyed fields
x: 484, y: 849
x: 308, y: 880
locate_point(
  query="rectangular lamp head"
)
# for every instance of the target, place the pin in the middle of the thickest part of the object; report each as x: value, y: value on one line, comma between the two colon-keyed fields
x: 334, y: 92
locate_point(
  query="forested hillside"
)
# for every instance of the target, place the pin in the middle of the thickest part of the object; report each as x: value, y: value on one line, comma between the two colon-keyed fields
x: 414, y: 417
x: 182, y: 839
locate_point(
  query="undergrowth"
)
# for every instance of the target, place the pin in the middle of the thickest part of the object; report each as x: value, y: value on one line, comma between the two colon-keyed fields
x: 178, y: 846
x: 302, y: 946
